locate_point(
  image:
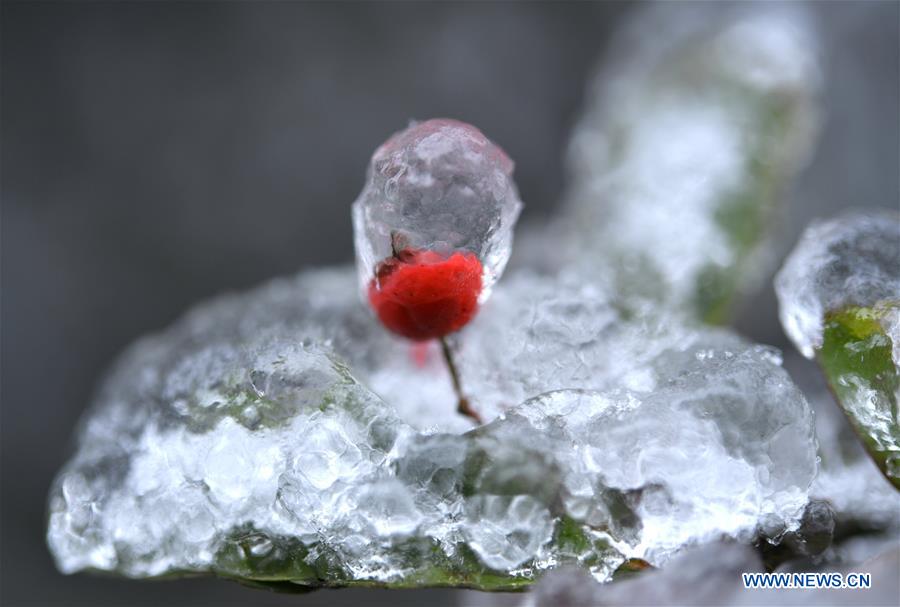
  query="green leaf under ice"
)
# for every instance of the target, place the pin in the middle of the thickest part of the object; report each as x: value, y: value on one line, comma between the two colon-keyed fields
x: 856, y: 356
x: 288, y: 565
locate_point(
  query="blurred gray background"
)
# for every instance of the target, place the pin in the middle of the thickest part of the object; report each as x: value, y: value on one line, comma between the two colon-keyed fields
x: 154, y: 154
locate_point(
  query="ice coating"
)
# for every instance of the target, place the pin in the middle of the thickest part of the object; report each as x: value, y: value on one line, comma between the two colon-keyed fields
x: 660, y: 451
x: 848, y: 478
x: 440, y: 186
x: 850, y: 260
x: 504, y: 358
x: 691, y: 130
x: 250, y: 440
x: 839, y: 299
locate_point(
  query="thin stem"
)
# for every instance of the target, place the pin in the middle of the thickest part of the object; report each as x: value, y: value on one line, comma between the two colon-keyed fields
x: 463, y: 407
x: 395, y: 249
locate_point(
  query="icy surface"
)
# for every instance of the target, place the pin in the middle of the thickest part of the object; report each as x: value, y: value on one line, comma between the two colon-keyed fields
x: 850, y: 260
x: 259, y: 438
x: 839, y: 300
x: 442, y: 186
x: 689, y: 135
x: 848, y: 478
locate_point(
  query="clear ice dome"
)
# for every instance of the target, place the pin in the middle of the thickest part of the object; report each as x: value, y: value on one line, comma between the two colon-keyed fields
x: 259, y: 438
x: 439, y: 185
x: 850, y: 260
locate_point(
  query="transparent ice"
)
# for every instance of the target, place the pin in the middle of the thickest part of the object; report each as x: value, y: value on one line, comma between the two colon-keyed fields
x: 258, y: 438
x: 439, y: 185
x: 839, y: 300
x: 850, y: 260
x: 848, y: 478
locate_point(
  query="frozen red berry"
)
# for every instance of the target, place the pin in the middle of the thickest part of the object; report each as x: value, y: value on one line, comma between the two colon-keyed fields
x: 443, y: 194
x: 424, y: 295
x: 433, y: 232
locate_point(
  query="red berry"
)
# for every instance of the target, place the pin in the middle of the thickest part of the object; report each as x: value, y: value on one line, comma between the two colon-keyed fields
x: 423, y: 295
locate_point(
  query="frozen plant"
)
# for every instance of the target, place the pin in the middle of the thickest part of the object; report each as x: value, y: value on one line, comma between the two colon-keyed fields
x: 246, y: 441
x: 433, y: 231
x: 839, y: 298
x: 286, y: 437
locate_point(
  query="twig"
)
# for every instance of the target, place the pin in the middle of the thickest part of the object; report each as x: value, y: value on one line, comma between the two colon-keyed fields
x: 464, y: 407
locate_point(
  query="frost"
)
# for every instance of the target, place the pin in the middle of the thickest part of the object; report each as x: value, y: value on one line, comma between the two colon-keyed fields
x: 627, y: 437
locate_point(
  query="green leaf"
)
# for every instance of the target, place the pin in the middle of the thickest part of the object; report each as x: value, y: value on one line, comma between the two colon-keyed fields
x: 856, y: 358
